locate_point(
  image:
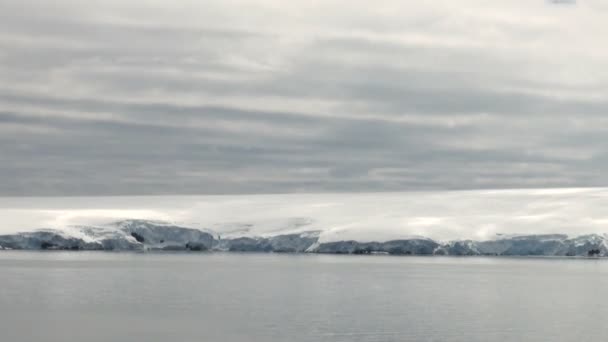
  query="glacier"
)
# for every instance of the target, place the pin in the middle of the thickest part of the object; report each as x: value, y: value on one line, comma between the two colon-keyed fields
x: 526, y: 222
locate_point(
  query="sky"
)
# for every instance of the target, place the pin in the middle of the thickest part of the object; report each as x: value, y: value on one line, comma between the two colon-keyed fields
x: 265, y: 96
x: 439, y: 215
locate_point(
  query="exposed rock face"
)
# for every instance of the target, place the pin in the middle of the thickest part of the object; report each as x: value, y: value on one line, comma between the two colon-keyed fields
x: 138, y: 237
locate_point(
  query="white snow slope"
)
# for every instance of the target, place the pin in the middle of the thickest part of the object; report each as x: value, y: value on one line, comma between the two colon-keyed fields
x: 442, y: 216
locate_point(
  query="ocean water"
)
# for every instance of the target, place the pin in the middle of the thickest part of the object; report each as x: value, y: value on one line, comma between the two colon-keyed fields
x: 74, y: 296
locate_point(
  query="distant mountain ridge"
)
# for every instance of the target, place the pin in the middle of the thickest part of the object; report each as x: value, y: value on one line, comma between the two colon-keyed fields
x: 147, y: 235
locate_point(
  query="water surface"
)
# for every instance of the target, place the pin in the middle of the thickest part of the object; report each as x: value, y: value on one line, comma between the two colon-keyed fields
x: 74, y: 296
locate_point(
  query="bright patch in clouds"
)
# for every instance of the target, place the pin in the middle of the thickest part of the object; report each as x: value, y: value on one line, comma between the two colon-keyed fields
x: 445, y: 215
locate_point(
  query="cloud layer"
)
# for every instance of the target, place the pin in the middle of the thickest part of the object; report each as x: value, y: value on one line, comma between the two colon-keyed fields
x: 239, y: 96
x: 440, y: 215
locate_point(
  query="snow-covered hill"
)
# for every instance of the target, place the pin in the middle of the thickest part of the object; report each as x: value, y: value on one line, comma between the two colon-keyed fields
x: 500, y: 222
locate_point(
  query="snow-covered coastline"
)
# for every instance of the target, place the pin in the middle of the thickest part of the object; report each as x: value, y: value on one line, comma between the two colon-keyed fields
x: 141, y: 235
x: 484, y: 222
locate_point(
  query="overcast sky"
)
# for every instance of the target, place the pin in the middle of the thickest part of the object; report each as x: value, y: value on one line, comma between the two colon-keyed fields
x: 265, y: 96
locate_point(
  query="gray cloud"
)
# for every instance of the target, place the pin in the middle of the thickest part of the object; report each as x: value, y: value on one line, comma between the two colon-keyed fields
x: 257, y: 96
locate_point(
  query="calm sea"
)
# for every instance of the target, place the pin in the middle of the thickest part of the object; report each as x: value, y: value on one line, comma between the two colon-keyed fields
x: 74, y: 296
